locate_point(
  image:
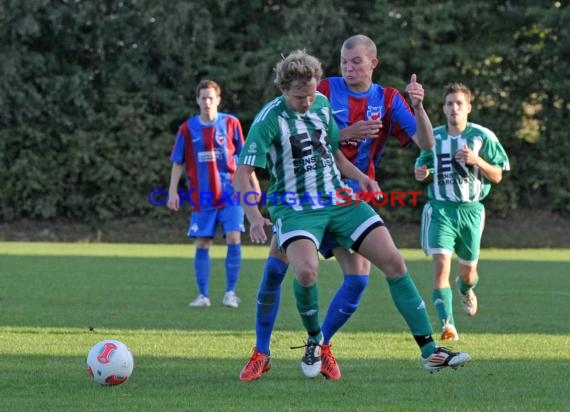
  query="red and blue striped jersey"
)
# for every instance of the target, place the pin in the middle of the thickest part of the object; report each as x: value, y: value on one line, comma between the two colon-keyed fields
x: 384, y: 103
x: 209, y: 154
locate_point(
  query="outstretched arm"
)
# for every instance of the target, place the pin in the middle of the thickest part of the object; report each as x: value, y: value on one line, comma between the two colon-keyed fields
x: 424, y: 129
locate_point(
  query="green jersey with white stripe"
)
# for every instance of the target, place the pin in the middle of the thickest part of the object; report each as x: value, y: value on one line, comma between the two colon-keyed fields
x: 452, y: 180
x: 297, y: 150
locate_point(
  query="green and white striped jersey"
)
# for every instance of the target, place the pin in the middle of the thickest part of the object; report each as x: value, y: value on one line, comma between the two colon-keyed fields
x: 297, y: 150
x: 456, y: 182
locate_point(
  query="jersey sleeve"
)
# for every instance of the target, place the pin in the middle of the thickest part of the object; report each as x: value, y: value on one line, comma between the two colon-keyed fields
x: 403, y: 122
x: 258, y: 141
x: 494, y: 153
x: 425, y: 159
x: 177, y: 153
x: 333, y: 130
x: 238, y: 136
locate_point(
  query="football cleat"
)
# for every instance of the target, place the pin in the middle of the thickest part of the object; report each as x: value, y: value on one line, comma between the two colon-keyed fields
x: 329, y: 367
x: 231, y: 300
x: 200, y: 301
x: 311, y: 361
x: 258, y: 364
x: 449, y: 332
x: 468, y: 300
x: 443, y: 358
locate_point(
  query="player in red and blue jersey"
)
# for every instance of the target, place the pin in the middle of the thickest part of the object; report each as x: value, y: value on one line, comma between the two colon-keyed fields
x: 206, y: 149
x: 362, y: 109
x: 377, y: 103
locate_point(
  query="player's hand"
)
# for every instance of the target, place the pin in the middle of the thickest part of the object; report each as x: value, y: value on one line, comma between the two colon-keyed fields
x: 421, y: 173
x: 362, y: 129
x: 369, y: 188
x: 415, y: 91
x: 466, y: 156
x: 173, y: 201
x: 257, y: 229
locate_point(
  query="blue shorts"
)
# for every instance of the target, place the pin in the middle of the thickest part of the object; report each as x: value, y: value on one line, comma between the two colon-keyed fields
x: 327, y: 245
x: 203, y: 223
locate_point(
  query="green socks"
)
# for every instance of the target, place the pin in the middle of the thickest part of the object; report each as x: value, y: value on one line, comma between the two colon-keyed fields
x: 307, y: 300
x: 412, y: 307
x: 442, y: 301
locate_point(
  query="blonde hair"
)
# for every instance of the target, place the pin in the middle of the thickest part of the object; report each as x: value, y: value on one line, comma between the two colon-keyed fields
x: 297, y: 66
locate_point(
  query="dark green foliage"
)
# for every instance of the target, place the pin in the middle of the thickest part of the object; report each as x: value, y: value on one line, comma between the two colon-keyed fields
x: 92, y: 93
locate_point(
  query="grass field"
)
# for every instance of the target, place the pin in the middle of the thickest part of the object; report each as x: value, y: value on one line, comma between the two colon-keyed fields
x: 57, y: 300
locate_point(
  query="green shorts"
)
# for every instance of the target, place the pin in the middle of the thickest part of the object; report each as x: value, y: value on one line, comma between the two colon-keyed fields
x: 451, y: 227
x: 349, y: 225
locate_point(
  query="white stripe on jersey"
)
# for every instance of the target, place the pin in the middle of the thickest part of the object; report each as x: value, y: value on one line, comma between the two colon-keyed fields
x: 265, y: 110
x: 249, y: 160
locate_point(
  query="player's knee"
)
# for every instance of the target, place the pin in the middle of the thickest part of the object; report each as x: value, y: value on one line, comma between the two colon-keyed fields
x: 306, y: 274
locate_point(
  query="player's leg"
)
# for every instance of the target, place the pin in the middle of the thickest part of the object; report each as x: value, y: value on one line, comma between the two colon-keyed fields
x: 344, y: 303
x: 267, y: 309
x: 380, y: 249
x: 468, y: 249
x: 231, y: 219
x: 355, y: 270
x: 269, y: 296
x: 438, y: 234
x: 442, y: 296
x: 202, y: 228
x: 303, y: 258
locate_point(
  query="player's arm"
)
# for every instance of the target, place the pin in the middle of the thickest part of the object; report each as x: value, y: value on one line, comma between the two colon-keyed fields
x: 423, y: 171
x: 243, y: 186
x: 349, y: 170
x: 424, y: 130
x: 362, y: 129
x: 493, y: 173
x: 175, y: 174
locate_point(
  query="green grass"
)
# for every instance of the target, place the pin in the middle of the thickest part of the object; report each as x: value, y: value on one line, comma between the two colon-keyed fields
x: 56, y: 300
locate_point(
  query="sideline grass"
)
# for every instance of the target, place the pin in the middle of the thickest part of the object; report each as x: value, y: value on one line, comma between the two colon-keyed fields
x: 189, y: 359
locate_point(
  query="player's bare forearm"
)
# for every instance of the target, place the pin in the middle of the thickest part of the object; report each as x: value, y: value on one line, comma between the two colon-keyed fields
x: 493, y: 173
x: 346, y: 168
x: 424, y: 129
x: 244, y: 187
x: 175, y: 175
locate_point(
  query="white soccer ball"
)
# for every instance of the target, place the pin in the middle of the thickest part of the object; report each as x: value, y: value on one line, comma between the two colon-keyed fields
x: 110, y: 362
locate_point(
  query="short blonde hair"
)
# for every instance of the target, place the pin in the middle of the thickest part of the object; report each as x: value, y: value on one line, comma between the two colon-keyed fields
x: 297, y: 66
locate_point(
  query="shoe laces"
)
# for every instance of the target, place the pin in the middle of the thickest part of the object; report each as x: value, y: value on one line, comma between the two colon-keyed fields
x: 310, y: 348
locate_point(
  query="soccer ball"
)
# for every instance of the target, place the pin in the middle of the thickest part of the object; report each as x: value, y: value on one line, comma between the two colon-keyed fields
x: 110, y: 362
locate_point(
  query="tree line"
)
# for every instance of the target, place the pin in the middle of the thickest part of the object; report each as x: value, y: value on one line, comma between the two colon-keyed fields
x: 92, y: 92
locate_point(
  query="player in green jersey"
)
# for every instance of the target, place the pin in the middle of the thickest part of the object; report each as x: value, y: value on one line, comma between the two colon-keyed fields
x: 465, y: 160
x: 296, y: 139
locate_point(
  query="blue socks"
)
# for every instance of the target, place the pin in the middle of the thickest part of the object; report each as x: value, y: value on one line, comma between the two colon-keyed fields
x: 202, y: 270
x: 233, y: 265
x: 344, y: 304
x: 268, y: 299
